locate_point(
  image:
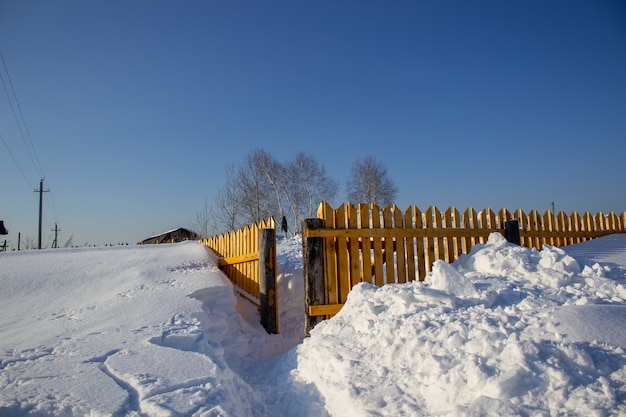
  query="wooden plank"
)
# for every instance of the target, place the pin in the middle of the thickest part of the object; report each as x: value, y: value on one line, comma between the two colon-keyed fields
x: 562, y: 225
x: 383, y: 232
x: 388, y: 245
x: 438, y: 224
x: 327, y: 214
x: 251, y: 243
x: 483, y: 224
x: 588, y: 223
x: 467, y: 242
x: 366, y: 251
x: 378, y: 246
x: 600, y: 221
x: 410, y: 246
x: 548, y: 226
x: 343, y: 270
x: 239, y: 259
x: 456, y: 224
x: 419, y: 244
x: 570, y: 234
x: 324, y: 310
x: 475, y: 225
x: 430, y: 242
x: 400, y: 246
x: 313, y: 273
x: 353, y: 247
x: 449, y: 241
x: 534, y: 226
x: 523, y: 227
x: 575, y: 226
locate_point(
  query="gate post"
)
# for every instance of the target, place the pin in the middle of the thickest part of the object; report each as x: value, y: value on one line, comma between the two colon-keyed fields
x: 511, y: 231
x: 267, y: 280
x: 313, y: 272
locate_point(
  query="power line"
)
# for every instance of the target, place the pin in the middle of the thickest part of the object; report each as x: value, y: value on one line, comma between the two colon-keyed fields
x: 23, y: 127
x: 15, y: 160
x: 31, y: 150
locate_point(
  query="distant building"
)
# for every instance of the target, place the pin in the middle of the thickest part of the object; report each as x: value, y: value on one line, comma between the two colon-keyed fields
x: 3, y: 230
x: 172, y: 236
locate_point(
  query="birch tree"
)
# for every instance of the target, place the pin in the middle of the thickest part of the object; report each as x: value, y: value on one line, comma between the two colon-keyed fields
x: 369, y: 182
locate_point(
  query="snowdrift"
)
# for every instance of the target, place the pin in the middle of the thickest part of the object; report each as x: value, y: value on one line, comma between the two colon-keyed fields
x: 159, y: 331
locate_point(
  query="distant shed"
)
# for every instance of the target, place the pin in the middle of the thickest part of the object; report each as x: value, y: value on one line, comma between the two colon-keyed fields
x: 172, y: 236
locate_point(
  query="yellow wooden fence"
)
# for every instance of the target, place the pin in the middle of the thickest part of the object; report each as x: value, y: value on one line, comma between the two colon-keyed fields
x: 365, y: 243
x: 238, y: 253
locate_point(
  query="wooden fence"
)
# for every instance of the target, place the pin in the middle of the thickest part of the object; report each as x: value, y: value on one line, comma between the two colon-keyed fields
x: 248, y: 257
x: 365, y: 243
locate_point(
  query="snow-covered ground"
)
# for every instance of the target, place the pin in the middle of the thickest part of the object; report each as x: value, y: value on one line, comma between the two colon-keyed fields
x: 159, y: 331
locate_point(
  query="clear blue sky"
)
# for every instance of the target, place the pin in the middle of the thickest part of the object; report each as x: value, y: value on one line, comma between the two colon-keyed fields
x: 136, y: 107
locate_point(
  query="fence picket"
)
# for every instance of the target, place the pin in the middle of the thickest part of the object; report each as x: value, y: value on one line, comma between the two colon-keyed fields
x: 343, y: 272
x: 366, y: 244
x: 378, y: 247
x: 400, y: 246
x: 419, y: 244
x: 410, y: 245
x: 449, y: 255
x: 388, y: 248
x: 353, y: 247
x: 430, y: 241
x: 548, y: 225
x: 326, y: 212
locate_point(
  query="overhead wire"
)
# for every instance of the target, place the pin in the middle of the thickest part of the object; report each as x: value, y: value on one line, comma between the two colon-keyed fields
x: 6, y: 145
x: 25, y: 135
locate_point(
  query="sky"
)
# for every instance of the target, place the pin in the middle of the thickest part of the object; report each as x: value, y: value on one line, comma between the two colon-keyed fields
x: 133, y: 110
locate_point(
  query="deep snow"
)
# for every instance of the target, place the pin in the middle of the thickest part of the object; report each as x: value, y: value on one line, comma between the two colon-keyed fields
x: 159, y: 331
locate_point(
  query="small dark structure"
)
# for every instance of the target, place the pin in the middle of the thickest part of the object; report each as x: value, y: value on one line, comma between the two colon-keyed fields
x: 172, y: 236
x: 3, y: 230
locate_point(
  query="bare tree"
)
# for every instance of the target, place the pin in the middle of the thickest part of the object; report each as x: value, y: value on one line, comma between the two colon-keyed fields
x: 305, y: 185
x: 204, y: 221
x: 274, y: 172
x: 255, y: 189
x: 228, y: 207
x: 370, y: 183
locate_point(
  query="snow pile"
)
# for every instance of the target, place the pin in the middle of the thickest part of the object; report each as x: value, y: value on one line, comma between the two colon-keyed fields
x: 159, y: 331
x: 504, y: 331
x: 110, y: 331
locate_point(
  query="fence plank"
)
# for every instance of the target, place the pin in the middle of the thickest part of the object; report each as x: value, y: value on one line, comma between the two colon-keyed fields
x: 548, y: 226
x: 439, y: 240
x: 388, y: 247
x: 430, y: 242
x: 343, y: 271
x: 330, y: 250
x: 410, y: 245
x: 457, y: 247
x: 400, y: 246
x: 366, y: 244
x: 419, y: 244
x: 378, y: 247
x: 575, y: 226
x: 353, y: 247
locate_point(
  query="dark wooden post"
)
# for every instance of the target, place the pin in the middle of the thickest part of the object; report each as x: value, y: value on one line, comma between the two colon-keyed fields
x: 267, y: 280
x: 313, y: 271
x: 511, y: 231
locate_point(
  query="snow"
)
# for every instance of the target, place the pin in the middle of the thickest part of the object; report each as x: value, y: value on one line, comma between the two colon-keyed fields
x: 158, y: 330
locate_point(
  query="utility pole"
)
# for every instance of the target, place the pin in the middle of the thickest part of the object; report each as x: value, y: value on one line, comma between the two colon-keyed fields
x: 553, y: 213
x: 40, y: 191
x: 56, y: 231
